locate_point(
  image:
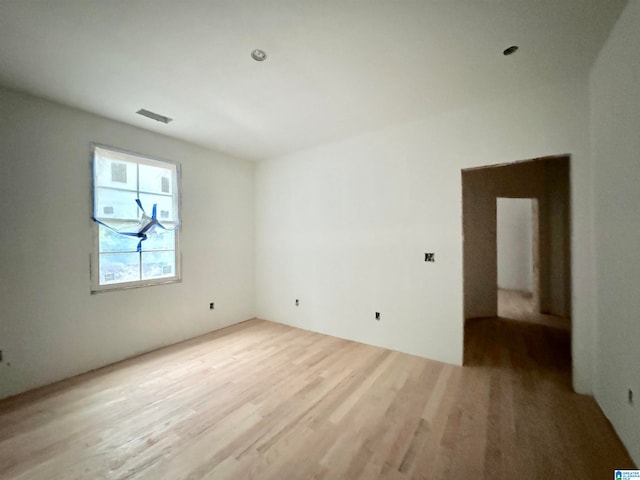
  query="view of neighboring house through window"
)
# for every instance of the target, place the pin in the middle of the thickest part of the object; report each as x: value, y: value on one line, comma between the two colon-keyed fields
x: 136, y: 213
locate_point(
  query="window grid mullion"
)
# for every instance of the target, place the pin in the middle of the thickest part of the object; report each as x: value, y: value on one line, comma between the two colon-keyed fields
x: 138, y: 191
x: 120, y: 252
x: 138, y: 197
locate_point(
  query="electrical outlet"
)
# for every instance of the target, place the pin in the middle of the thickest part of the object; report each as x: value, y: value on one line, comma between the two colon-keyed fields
x: 211, y: 306
x: 429, y: 257
x: 378, y: 316
x: 630, y: 396
x: 297, y: 302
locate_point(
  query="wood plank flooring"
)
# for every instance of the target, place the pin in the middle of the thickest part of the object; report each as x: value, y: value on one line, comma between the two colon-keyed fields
x: 265, y: 401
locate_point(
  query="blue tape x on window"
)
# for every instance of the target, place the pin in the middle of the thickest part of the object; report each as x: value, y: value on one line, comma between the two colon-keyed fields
x: 146, y: 226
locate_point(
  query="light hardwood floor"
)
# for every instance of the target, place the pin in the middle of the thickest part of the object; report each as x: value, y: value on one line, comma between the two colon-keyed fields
x: 266, y: 401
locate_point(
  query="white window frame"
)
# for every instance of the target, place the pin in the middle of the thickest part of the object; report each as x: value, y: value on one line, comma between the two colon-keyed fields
x: 139, y: 159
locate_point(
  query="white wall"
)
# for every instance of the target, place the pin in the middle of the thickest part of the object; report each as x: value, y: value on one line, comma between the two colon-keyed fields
x: 51, y: 327
x: 615, y: 126
x: 344, y: 227
x: 515, y: 245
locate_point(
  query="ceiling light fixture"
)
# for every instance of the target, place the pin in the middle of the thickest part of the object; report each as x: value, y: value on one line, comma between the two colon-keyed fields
x: 258, y: 55
x: 511, y: 50
x: 154, y: 116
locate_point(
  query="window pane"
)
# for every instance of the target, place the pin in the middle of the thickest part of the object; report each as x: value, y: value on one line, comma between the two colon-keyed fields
x: 160, y: 240
x: 119, y: 267
x: 114, y: 173
x: 116, y: 204
x: 158, y: 264
x: 164, y: 212
x: 110, y: 241
x: 156, y: 179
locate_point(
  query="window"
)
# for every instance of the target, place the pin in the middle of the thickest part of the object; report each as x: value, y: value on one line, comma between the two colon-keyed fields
x: 136, y: 214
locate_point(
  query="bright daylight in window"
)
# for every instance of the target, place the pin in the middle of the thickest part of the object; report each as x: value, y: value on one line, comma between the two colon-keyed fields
x: 136, y: 213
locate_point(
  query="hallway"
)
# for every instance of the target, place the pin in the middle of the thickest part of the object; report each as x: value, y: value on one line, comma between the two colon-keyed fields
x: 516, y: 305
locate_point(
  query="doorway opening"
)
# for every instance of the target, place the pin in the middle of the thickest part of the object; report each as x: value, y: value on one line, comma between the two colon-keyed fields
x: 518, y: 257
x: 516, y: 244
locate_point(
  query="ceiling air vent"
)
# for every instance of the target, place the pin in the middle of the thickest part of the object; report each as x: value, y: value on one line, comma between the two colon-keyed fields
x: 154, y: 116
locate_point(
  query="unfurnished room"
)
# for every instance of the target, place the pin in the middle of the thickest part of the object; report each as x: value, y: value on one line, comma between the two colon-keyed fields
x: 338, y: 239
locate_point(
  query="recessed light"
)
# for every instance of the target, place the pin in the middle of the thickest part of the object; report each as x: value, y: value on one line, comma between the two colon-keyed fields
x: 511, y: 50
x: 258, y: 55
